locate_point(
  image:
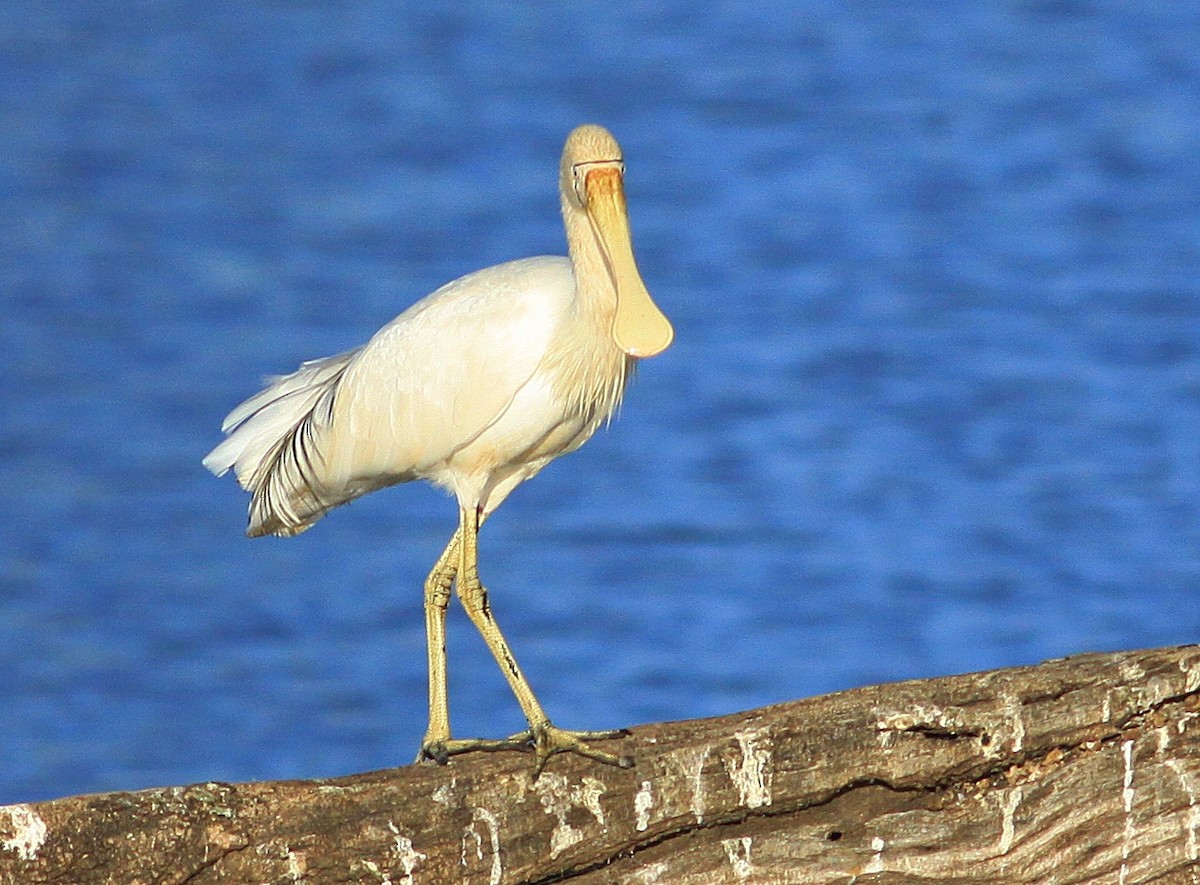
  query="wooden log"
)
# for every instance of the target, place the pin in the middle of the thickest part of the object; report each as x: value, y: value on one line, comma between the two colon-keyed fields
x: 1081, y: 770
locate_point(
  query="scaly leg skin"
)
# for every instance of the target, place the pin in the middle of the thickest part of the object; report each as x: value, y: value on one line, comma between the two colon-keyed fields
x: 547, y: 739
x: 437, y: 598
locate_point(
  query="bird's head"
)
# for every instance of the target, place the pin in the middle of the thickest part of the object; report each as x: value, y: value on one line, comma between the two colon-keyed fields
x: 591, y: 180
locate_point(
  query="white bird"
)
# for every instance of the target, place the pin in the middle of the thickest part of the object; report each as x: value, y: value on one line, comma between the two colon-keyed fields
x: 475, y: 388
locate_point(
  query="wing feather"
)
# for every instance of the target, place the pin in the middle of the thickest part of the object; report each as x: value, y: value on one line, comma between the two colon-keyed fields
x: 398, y: 408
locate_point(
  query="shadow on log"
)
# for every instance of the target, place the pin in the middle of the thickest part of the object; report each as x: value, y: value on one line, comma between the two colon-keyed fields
x: 1082, y: 770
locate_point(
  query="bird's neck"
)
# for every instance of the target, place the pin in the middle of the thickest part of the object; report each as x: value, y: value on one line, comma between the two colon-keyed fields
x: 595, y: 288
x: 592, y: 369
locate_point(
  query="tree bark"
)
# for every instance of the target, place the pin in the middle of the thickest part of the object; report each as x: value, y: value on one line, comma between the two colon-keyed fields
x: 1081, y: 770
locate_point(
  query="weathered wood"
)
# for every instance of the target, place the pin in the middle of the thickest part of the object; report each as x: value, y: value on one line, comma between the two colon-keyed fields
x: 1082, y: 770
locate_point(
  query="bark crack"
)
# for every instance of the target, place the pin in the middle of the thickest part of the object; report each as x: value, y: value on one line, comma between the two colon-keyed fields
x: 209, y: 864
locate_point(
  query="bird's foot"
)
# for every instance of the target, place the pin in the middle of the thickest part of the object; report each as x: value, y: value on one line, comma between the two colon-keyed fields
x: 545, y: 740
x: 549, y: 739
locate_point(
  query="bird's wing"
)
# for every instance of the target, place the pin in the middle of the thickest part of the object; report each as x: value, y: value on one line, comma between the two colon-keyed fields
x: 424, y: 386
x: 436, y: 377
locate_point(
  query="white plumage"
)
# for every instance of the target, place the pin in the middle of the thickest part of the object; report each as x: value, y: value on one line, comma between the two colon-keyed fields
x: 474, y: 388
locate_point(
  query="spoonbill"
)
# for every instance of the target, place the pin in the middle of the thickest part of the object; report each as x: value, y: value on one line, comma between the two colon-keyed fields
x: 475, y: 388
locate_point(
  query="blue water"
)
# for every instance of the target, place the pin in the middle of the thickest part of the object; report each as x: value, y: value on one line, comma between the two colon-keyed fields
x: 933, y: 406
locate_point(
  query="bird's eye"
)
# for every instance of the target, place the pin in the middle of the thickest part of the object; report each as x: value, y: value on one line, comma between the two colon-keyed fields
x: 580, y: 183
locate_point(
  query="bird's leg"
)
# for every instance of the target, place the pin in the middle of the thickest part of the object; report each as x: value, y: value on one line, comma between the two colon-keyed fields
x: 437, y: 744
x: 437, y: 598
x: 547, y: 739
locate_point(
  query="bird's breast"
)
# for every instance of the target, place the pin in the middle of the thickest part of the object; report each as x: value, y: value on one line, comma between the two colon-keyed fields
x: 555, y: 412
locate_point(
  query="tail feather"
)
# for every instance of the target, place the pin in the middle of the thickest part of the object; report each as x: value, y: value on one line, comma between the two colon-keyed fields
x: 274, y: 447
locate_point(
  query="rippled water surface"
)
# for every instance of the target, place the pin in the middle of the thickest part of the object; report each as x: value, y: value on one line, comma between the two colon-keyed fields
x: 933, y: 406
